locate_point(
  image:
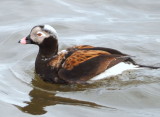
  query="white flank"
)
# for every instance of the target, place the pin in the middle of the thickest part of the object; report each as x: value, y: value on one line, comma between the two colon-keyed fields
x: 115, y: 70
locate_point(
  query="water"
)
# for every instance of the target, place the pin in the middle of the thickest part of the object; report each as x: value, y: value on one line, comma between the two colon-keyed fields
x: 129, y: 26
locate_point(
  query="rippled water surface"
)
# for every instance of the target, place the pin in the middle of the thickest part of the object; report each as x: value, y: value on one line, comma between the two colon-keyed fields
x: 131, y: 26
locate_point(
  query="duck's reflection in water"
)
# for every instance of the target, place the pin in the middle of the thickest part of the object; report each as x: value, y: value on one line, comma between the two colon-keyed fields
x: 44, y: 94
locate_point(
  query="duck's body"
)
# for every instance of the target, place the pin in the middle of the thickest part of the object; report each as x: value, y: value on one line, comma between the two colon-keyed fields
x: 77, y: 64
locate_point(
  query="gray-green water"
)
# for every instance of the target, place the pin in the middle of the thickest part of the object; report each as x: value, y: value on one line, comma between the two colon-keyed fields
x: 131, y: 26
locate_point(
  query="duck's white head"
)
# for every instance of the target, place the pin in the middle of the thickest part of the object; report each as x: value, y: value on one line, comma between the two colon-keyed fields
x: 39, y: 34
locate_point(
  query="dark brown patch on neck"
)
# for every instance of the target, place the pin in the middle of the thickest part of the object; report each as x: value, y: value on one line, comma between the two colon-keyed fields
x: 49, y: 47
x: 47, y: 50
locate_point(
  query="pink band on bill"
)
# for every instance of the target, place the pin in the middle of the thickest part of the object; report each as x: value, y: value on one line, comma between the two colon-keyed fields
x: 23, y: 41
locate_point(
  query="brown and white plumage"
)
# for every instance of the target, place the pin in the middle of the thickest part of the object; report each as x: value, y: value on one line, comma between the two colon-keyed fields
x: 76, y: 64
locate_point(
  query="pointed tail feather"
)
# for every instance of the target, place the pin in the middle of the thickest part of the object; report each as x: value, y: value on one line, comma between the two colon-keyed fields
x: 144, y: 66
x: 150, y: 67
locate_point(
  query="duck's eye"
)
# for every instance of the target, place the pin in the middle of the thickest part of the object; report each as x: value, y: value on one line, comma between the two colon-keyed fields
x: 40, y: 34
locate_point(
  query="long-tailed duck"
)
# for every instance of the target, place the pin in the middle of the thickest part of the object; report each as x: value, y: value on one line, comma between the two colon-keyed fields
x: 76, y: 64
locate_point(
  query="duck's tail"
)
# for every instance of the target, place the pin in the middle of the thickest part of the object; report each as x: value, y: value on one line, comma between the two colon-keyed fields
x: 144, y: 66
x: 147, y: 66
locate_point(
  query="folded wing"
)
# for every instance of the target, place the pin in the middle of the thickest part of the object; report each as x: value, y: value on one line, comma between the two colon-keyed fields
x: 82, y: 65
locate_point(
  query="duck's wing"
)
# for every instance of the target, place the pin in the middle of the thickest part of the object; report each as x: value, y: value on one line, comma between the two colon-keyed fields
x: 110, y: 50
x: 79, y: 47
x: 82, y: 65
x: 88, y: 47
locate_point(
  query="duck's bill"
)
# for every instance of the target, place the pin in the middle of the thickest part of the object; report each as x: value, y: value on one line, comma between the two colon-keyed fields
x: 23, y: 41
x: 26, y: 40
